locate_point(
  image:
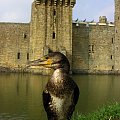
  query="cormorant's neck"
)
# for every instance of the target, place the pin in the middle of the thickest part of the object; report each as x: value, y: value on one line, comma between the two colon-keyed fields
x: 58, y: 75
x: 65, y: 66
x: 63, y: 69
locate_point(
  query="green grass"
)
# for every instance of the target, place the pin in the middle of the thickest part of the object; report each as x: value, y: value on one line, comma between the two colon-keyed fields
x: 107, y: 112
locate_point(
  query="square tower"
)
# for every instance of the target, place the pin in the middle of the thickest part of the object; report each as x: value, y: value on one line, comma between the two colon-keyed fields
x: 51, y: 27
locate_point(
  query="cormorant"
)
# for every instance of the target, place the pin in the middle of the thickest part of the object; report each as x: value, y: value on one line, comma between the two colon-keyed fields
x: 61, y: 93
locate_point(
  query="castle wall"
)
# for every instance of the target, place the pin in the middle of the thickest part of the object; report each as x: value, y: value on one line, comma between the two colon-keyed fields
x: 37, y: 30
x: 93, y: 47
x: 80, y: 48
x: 101, y: 48
x: 14, y: 44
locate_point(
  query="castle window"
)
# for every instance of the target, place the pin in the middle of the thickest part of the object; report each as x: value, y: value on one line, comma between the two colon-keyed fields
x: 118, y: 18
x: 27, y: 56
x: 25, y: 35
x: 111, y: 57
x: 112, y: 40
x: 54, y: 12
x: 54, y: 35
x: 18, y: 55
x: 92, y: 48
x: 89, y: 48
x: 112, y: 67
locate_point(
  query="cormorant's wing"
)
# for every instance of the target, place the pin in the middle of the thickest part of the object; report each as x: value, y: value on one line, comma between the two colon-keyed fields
x: 46, y: 100
x: 75, y: 97
x: 48, y: 106
x: 75, y: 94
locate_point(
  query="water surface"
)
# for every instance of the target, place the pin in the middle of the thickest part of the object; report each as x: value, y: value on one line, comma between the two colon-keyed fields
x: 21, y: 94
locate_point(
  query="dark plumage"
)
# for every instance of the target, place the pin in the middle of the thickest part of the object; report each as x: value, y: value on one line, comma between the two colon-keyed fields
x: 61, y: 93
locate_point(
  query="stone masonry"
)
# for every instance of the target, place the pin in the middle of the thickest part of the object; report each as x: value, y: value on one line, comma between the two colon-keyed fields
x: 51, y: 27
x: 14, y: 44
x: 93, y: 47
x: 90, y: 47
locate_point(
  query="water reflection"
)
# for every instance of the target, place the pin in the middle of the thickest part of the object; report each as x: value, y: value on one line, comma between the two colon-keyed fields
x: 21, y: 94
x: 97, y: 90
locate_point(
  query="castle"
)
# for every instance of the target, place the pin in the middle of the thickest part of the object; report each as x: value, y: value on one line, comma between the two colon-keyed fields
x: 90, y: 47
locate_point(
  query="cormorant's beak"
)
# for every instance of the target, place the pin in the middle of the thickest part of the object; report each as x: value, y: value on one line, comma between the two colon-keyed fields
x: 41, y: 62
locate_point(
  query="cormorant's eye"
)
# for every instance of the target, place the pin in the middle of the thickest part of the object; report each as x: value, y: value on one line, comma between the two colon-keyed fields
x: 46, y: 57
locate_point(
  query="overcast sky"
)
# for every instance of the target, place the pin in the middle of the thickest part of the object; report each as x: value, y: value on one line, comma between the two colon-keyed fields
x: 20, y: 10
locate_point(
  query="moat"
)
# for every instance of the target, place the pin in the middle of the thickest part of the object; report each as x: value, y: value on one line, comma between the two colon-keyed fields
x: 21, y: 94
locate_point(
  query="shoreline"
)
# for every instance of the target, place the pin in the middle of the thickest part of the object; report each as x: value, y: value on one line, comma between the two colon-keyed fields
x: 43, y: 71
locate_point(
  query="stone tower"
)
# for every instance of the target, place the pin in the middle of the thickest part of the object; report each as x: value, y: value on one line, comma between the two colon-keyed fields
x: 117, y: 35
x: 51, y: 27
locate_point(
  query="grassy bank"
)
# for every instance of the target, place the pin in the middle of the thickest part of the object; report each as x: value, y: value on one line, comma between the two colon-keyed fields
x: 107, y: 112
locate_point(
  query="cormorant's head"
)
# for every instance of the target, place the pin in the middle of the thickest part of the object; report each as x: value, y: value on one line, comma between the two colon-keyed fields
x: 53, y: 60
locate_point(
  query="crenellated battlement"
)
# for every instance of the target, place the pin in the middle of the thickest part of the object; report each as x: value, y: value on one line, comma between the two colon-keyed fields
x: 87, y: 24
x: 102, y: 22
x: 56, y: 2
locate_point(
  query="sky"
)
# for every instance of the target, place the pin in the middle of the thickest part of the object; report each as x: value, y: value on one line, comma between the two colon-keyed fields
x: 19, y: 11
